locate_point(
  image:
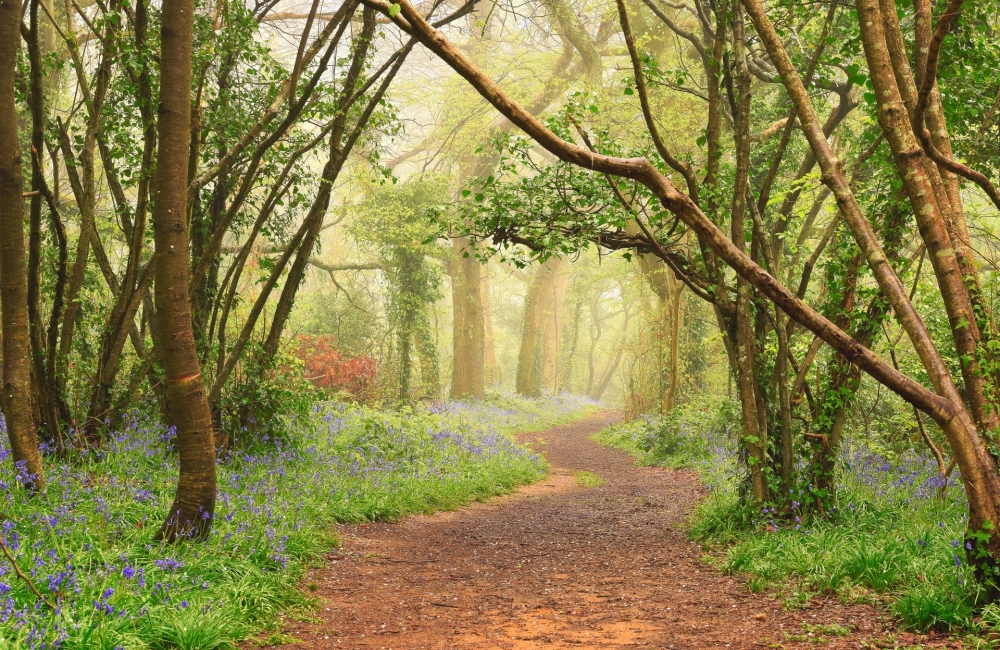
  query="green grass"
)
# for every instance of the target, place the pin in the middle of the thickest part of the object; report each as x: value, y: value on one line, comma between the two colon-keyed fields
x: 880, y: 546
x: 588, y: 479
x: 685, y: 438
x: 86, y: 543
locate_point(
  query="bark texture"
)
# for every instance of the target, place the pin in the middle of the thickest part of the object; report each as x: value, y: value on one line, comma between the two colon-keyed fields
x: 194, y: 503
x: 17, y: 394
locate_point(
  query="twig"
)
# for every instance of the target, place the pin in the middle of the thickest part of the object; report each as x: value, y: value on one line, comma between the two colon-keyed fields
x: 819, y: 436
x: 21, y: 574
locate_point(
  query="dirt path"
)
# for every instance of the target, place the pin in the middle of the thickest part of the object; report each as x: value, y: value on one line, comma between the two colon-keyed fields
x: 559, y: 566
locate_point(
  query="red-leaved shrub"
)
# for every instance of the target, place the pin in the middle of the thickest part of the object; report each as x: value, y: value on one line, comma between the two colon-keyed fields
x: 326, y: 367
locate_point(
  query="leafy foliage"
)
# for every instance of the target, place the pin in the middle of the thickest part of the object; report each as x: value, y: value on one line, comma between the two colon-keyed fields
x: 327, y: 368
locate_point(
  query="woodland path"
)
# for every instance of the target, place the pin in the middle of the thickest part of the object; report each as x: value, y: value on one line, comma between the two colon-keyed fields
x: 556, y: 565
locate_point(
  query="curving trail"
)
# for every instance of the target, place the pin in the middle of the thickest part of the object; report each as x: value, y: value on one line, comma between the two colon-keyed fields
x: 556, y: 565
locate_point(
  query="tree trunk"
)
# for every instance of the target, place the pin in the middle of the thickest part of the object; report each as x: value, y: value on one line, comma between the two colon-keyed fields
x: 574, y: 339
x: 674, y: 358
x: 194, y: 503
x: 529, y: 377
x: 609, y: 372
x: 468, y: 360
x: 491, y: 371
x: 784, y: 402
x: 596, y: 330
x: 424, y: 340
x: 47, y: 390
x: 405, y: 344
x: 746, y: 344
x: 13, y: 268
x: 551, y: 334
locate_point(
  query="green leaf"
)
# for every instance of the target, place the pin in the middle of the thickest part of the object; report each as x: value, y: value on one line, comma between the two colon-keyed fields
x: 629, y: 91
x: 593, y: 109
x: 394, y: 10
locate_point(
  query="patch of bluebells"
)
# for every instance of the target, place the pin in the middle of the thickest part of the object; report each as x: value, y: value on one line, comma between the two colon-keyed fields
x: 909, y: 477
x: 87, y: 543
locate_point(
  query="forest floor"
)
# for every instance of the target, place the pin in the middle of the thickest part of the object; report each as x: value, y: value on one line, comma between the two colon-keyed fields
x: 563, y: 564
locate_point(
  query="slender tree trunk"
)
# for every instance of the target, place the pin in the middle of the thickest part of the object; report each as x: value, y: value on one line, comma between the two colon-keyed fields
x: 609, y: 372
x: 116, y: 332
x: 664, y: 317
x: 746, y: 345
x: 468, y: 360
x: 674, y: 360
x: 596, y: 330
x: 491, y: 371
x: 784, y: 401
x: 194, y: 504
x: 405, y: 344
x: 13, y: 265
x: 598, y: 391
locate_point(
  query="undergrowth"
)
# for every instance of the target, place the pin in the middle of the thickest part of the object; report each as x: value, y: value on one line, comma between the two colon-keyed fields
x: 896, y: 537
x: 86, y: 543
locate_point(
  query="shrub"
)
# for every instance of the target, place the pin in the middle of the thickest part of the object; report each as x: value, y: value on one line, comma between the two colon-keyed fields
x: 328, y: 369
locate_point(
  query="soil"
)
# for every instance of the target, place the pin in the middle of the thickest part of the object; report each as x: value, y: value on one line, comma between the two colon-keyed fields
x: 559, y: 565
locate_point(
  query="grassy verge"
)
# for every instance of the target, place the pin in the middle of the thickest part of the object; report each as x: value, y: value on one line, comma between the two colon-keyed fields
x: 896, y: 538
x: 86, y: 546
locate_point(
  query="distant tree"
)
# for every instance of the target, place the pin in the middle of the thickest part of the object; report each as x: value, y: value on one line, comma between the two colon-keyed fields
x: 393, y: 224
